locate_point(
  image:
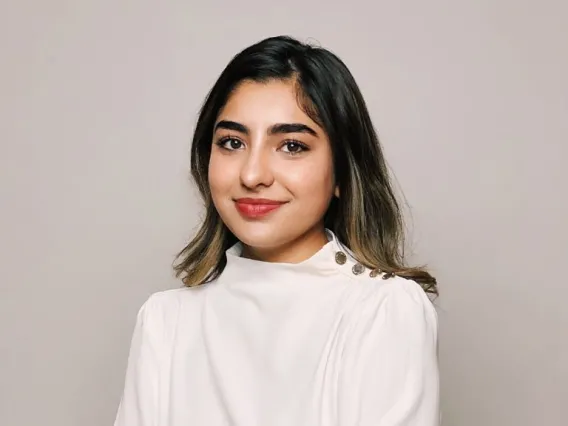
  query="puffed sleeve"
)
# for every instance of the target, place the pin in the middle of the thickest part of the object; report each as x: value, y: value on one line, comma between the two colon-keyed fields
x: 390, y: 375
x: 138, y: 405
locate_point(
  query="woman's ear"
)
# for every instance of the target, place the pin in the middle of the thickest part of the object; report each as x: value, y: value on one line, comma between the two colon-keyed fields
x: 336, y: 192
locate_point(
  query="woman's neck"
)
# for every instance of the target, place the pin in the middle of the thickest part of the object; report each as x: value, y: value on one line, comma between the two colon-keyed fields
x: 294, y: 251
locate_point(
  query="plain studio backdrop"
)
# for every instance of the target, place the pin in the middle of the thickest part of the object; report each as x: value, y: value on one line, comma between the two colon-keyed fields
x: 98, y: 100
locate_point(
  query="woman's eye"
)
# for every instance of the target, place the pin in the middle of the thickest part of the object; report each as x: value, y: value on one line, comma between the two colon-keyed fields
x: 231, y: 144
x: 293, y: 147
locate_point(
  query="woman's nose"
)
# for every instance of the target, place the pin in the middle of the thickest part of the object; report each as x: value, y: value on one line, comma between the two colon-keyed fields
x: 256, y: 170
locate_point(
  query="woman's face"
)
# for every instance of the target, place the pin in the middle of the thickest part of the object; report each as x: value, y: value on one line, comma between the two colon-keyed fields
x: 271, y: 168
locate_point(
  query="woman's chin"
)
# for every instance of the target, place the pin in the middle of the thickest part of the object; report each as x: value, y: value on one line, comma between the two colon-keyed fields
x: 260, y: 234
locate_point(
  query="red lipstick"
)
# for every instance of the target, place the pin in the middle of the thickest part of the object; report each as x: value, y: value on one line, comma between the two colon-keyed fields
x: 256, y: 207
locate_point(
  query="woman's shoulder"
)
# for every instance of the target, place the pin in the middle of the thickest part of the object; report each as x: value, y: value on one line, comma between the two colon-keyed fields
x: 403, y: 290
x: 401, y: 302
x: 169, y: 298
x: 392, y: 315
x: 163, y: 308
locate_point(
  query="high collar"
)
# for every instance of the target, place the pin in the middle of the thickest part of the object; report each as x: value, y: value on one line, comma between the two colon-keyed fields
x: 320, y: 263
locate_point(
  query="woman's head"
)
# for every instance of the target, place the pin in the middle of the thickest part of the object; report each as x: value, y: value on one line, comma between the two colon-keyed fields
x: 270, y: 173
x: 286, y: 121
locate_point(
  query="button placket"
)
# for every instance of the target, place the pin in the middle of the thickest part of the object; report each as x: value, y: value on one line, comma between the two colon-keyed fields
x: 341, y: 259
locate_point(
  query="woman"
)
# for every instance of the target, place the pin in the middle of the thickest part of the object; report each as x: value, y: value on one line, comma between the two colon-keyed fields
x: 298, y: 308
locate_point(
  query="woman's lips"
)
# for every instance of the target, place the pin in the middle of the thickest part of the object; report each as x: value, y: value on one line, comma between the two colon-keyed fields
x: 257, y: 207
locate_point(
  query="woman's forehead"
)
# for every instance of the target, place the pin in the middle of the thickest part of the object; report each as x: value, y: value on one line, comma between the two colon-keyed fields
x: 265, y: 104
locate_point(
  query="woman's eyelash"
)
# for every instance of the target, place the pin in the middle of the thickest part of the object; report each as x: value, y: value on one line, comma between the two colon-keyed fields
x: 222, y: 142
x: 303, y: 147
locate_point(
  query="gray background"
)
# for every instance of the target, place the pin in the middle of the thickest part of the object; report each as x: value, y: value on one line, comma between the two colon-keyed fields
x: 97, y: 103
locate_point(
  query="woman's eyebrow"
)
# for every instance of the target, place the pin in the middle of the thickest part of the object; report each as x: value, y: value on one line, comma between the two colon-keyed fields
x: 291, y: 128
x: 279, y: 128
x: 232, y: 125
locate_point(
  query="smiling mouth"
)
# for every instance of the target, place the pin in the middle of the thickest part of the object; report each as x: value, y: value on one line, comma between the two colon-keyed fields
x: 256, y: 208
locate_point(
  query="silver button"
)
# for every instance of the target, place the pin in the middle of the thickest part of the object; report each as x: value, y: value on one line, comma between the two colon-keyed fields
x: 358, y: 269
x: 340, y: 258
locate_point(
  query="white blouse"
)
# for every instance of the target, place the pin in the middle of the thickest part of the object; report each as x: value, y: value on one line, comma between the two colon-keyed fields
x: 318, y: 343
